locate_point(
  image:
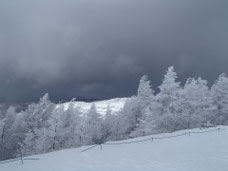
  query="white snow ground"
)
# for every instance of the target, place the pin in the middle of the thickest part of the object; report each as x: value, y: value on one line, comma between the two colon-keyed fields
x: 197, y: 152
x: 115, y: 105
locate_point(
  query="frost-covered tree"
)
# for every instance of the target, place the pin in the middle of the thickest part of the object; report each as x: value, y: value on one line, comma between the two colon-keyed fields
x: 51, y: 136
x: 135, y: 107
x: 110, y: 125
x: 196, y: 107
x: 10, y: 134
x: 127, y: 119
x: 73, y: 126
x: 59, y: 132
x: 36, y: 117
x: 150, y: 119
x: 37, y: 114
x: 45, y: 140
x: 145, y: 91
x: 220, y: 97
x: 56, y: 128
x: 144, y: 96
x: 115, y: 127
x: 108, y: 122
x: 145, y: 99
x: 168, y: 97
x: 93, y: 129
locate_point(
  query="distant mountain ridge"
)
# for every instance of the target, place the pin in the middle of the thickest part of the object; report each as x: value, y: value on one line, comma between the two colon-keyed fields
x: 115, y: 105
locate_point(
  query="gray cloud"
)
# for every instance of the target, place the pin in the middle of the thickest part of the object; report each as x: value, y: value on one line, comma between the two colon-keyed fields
x: 99, y: 49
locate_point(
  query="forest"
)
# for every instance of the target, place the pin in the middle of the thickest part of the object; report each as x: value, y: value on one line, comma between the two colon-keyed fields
x: 45, y: 126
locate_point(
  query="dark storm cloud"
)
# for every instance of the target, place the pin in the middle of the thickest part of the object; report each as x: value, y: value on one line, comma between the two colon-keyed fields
x: 99, y: 49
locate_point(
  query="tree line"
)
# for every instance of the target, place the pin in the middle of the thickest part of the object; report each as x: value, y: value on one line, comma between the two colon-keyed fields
x: 45, y: 126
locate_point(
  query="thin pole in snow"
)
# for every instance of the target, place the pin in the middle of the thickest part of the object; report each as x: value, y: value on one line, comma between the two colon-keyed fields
x: 22, y: 162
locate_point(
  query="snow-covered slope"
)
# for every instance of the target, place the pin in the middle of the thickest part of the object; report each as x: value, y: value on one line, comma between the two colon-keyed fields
x: 197, y: 152
x: 115, y: 105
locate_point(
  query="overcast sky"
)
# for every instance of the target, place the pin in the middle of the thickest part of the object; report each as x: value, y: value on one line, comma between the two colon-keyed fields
x: 100, y: 48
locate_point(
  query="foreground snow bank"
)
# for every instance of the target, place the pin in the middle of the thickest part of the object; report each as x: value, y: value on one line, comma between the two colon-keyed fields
x: 205, y: 151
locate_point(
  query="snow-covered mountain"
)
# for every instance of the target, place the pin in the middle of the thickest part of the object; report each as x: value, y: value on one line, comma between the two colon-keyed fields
x: 200, y: 151
x: 114, y: 104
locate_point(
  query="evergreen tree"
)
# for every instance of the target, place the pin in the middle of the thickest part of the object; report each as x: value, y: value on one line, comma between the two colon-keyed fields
x: 220, y: 97
x: 196, y: 104
x: 135, y: 107
x: 109, y: 122
x: 36, y: 117
x: 93, y: 127
x: 127, y: 119
x: 144, y: 96
x: 168, y: 97
x: 73, y: 126
x: 149, y: 122
x: 9, y: 134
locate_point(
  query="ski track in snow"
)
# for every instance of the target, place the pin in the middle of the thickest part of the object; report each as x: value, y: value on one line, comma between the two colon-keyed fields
x: 198, y: 152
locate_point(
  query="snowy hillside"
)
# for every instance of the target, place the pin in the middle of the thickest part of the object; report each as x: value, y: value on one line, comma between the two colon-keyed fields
x: 115, y: 105
x: 198, y: 152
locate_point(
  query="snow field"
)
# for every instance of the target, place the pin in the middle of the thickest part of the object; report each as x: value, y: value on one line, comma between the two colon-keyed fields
x: 203, y: 152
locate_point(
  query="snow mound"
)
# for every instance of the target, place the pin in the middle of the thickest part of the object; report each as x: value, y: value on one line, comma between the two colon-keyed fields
x: 115, y: 105
x: 200, y: 151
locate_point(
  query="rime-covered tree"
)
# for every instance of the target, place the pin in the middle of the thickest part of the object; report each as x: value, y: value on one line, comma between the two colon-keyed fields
x: 144, y: 96
x: 127, y: 118
x: 109, y: 124
x: 168, y: 97
x: 220, y: 97
x: 150, y: 119
x: 196, y: 107
x: 116, y: 126
x: 145, y: 91
x: 135, y: 107
x: 51, y: 136
x: 37, y: 114
x: 10, y: 134
x: 73, y: 126
x: 36, y: 117
x: 93, y: 129
x: 59, y: 132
